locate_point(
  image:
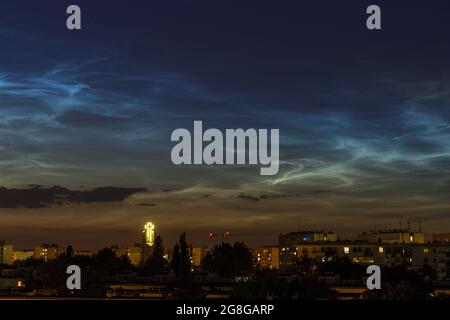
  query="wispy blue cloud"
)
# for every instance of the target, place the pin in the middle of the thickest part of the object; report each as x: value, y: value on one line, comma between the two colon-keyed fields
x: 365, y: 125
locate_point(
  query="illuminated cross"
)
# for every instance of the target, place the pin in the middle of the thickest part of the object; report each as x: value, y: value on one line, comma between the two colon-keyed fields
x: 149, y: 230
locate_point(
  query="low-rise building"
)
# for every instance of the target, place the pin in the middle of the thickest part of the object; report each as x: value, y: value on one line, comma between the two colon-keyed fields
x: 288, y: 254
x: 197, y: 255
x: 356, y: 251
x: 133, y: 253
x: 441, y: 237
x: 413, y: 255
x: 292, y: 238
x: 48, y: 251
x: 267, y: 257
x: 392, y: 236
x: 6, y: 253
x: 10, y: 281
x: 83, y: 253
x: 22, y: 255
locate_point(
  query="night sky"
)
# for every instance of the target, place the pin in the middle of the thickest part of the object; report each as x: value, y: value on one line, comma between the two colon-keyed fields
x: 364, y: 116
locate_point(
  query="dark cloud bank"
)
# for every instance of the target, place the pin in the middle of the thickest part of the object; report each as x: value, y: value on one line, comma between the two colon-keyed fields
x: 42, y: 197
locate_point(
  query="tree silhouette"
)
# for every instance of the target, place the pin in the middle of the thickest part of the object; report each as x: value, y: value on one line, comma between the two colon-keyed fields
x: 106, y: 260
x: 185, y: 259
x: 175, y: 263
x: 181, y: 262
x: 156, y: 263
x: 228, y: 260
x: 342, y: 266
x: 69, y: 253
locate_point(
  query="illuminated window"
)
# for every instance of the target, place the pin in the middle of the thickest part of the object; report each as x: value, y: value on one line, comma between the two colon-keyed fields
x: 346, y: 249
x: 380, y: 249
x: 426, y: 250
x: 411, y: 238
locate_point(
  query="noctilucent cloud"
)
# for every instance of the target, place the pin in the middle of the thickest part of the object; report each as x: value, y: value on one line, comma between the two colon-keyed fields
x: 364, y: 116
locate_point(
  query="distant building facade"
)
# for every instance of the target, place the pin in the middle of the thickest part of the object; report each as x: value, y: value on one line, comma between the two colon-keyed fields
x: 441, y: 237
x: 381, y: 247
x: 413, y: 255
x: 10, y: 280
x: 293, y: 238
x: 83, y: 253
x: 197, y: 255
x: 392, y: 236
x: 22, y: 255
x: 6, y: 253
x: 267, y: 257
x: 48, y: 251
x: 132, y: 253
x: 288, y: 255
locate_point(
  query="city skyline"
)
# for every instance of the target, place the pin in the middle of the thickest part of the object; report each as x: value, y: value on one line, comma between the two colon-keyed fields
x: 148, y: 234
x: 363, y: 116
x: 214, y: 237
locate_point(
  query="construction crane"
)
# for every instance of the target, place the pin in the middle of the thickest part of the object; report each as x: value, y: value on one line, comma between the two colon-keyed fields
x: 212, y: 235
x: 228, y: 234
